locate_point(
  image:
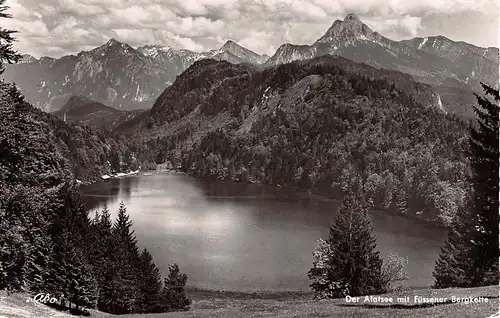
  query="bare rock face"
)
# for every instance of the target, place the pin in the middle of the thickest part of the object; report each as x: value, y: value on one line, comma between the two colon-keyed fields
x: 344, y: 32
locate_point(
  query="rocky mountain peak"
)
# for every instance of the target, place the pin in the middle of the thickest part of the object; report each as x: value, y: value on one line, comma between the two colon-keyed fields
x: 124, y: 77
x: 289, y: 52
x: 348, y: 30
x: 241, y: 52
x: 352, y: 18
x: 153, y: 50
x: 113, y: 46
x: 112, y: 42
x: 47, y: 59
x: 26, y: 58
x: 229, y: 45
x: 233, y: 47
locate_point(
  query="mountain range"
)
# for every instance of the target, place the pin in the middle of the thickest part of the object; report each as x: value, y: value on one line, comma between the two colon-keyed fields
x: 124, y: 77
x: 115, y: 73
x: 433, y: 60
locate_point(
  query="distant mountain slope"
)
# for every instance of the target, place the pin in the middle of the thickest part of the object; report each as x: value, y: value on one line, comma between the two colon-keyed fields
x: 86, y: 152
x: 475, y: 63
x: 448, y: 65
x: 114, y: 74
x: 318, y: 125
x: 452, y: 50
x: 84, y: 111
x: 436, y: 57
x: 244, y: 54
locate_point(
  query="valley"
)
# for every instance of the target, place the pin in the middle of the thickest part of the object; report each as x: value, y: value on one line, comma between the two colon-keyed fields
x: 156, y: 180
x: 313, y: 125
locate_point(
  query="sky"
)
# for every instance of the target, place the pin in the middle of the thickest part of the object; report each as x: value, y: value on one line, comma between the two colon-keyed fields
x: 61, y: 27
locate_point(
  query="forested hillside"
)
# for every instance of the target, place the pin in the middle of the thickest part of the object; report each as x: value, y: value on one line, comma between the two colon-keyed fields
x: 319, y: 125
x: 89, y: 152
x: 87, y: 112
x: 48, y: 242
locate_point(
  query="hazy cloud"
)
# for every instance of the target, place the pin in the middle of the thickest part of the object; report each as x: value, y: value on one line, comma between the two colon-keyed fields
x: 58, y: 27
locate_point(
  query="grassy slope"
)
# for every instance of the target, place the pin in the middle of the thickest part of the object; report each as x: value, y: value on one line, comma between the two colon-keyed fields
x: 296, y: 305
x: 17, y: 305
x: 286, y: 305
x: 233, y: 304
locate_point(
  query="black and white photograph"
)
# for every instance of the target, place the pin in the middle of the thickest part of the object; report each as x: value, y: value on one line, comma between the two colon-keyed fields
x: 249, y: 158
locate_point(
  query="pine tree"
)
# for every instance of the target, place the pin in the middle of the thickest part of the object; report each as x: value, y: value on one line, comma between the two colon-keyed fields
x: 70, y: 277
x: 116, y: 261
x: 173, y: 295
x: 38, y: 260
x: 470, y: 255
x: 127, y: 258
x: 123, y: 228
x: 7, y: 53
x: 73, y: 214
x: 81, y: 283
x: 24, y: 243
x: 150, y: 285
x: 454, y: 267
x: 29, y: 180
x: 101, y: 248
x: 484, y: 161
x: 347, y: 262
x: 106, y: 224
x: 124, y: 280
x: 119, y: 292
x: 56, y: 277
x: 320, y: 271
x: 12, y: 256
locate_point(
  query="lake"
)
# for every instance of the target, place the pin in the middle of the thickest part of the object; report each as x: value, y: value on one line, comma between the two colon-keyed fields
x: 248, y: 237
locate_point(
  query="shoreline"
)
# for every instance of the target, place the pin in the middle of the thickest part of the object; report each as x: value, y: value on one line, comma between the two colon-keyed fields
x: 326, y: 197
x: 107, y: 177
x: 315, y: 192
x: 119, y: 175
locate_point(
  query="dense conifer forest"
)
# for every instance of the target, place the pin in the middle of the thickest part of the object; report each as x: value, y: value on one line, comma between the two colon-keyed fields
x: 48, y: 242
x: 471, y: 253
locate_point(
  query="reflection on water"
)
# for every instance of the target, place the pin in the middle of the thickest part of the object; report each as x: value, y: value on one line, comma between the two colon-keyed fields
x: 245, y: 236
x: 109, y: 192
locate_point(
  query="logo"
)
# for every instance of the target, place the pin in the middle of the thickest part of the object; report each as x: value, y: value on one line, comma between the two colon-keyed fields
x: 44, y: 299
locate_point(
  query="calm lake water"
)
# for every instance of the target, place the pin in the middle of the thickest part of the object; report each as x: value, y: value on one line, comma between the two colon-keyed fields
x: 248, y: 237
